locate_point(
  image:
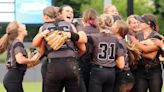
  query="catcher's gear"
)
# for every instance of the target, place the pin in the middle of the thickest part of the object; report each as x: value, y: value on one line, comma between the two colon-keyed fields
x: 56, y: 39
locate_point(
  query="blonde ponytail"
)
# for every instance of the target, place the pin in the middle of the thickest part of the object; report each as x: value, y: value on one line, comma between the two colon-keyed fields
x: 133, y: 52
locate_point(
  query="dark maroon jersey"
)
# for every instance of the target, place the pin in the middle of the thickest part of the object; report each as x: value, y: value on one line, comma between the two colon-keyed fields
x: 105, y: 49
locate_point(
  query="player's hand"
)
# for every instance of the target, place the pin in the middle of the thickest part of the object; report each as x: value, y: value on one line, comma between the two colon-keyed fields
x: 45, y: 32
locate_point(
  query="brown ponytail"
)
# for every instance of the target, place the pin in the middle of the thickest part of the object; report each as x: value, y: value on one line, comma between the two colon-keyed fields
x: 151, y: 20
x: 90, y: 16
x: 11, y: 34
x: 3, y: 43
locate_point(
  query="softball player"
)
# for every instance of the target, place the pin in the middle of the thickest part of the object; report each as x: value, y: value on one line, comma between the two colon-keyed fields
x: 105, y: 51
x: 62, y: 68
x: 89, y: 27
x: 17, y: 58
x: 124, y: 78
x: 49, y: 15
x: 134, y: 27
x: 149, y: 73
x: 133, y: 24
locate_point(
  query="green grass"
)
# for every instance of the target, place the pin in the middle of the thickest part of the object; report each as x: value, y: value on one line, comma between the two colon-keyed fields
x: 27, y: 86
x: 3, y: 58
x: 34, y: 87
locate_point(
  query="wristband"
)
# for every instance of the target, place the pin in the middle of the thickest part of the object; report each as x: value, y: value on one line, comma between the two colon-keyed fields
x: 74, y: 36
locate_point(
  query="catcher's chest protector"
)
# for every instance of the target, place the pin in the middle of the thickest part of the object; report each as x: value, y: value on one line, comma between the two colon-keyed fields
x: 59, y: 26
x: 56, y: 26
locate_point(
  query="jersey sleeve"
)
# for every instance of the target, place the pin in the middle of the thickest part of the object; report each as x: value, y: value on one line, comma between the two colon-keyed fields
x: 119, y: 50
x: 90, y: 44
x: 19, y: 48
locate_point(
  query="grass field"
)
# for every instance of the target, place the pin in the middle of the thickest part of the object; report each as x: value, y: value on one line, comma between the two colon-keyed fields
x: 33, y: 87
x: 28, y: 87
x: 2, y: 57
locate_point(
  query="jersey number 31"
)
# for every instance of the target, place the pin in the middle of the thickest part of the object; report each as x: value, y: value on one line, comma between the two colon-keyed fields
x: 107, y: 51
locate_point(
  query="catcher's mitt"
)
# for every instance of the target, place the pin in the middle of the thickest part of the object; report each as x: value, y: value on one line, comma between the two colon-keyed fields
x: 56, y: 39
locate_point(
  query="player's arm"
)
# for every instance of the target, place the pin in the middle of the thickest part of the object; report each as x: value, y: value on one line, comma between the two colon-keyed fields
x: 37, y: 41
x: 150, y: 55
x: 18, y: 52
x: 30, y: 65
x: 82, y: 48
x: 120, y: 53
x: 145, y: 48
x: 80, y: 39
x: 82, y: 35
x: 120, y: 62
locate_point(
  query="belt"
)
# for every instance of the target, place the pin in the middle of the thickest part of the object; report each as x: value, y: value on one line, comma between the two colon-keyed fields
x: 100, y: 66
x: 65, y: 59
x: 149, y: 66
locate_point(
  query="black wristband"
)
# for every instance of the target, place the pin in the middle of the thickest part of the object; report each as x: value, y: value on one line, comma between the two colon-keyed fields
x: 74, y: 36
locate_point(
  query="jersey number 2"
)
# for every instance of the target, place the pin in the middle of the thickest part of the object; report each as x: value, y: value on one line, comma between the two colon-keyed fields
x: 107, y: 51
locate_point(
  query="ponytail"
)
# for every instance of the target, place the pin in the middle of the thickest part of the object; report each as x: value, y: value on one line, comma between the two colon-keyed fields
x: 11, y: 34
x: 133, y: 52
x: 3, y: 43
x: 154, y: 26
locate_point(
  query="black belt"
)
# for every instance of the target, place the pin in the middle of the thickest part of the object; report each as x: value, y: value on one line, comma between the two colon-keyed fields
x: 100, y: 66
x: 66, y: 59
x: 149, y: 66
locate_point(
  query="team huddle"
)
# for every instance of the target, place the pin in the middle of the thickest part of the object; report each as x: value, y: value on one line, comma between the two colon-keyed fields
x: 98, y: 53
